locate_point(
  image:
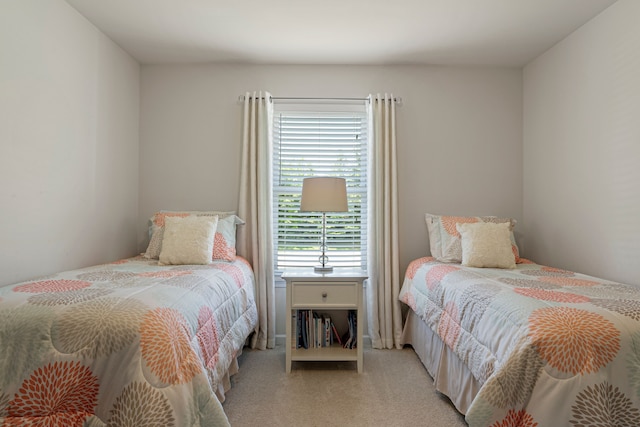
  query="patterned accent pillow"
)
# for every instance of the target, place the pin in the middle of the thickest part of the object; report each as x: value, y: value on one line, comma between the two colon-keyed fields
x: 485, y: 244
x: 157, y: 222
x: 444, y: 239
x: 224, y: 246
x: 188, y: 240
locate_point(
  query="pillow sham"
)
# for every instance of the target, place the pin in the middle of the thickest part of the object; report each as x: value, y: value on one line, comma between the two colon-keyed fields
x: 486, y: 244
x: 444, y: 238
x: 224, y: 245
x: 188, y: 240
x: 156, y: 227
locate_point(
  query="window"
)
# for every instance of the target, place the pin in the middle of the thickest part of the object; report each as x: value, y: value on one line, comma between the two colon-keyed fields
x: 319, y: 140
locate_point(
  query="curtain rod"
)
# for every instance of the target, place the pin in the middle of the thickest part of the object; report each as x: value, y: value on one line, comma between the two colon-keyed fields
x: 301, y: 98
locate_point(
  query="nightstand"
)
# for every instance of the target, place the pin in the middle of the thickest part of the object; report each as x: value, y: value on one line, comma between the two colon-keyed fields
x: 309, y: 296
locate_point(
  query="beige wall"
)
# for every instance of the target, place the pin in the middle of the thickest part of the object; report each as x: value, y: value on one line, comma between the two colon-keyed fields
x: 459, y: 137
x: 68, y: 142
x: 582, y: 149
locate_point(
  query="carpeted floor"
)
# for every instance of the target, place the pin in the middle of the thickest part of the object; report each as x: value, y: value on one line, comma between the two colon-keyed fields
x: 394, y: 390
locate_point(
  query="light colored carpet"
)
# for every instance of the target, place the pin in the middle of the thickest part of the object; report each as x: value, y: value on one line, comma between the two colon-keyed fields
x: 394, y: 390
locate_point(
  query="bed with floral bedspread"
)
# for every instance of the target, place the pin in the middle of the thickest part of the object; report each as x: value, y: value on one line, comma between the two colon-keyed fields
x: 130, y: 343
x: 546, y: 347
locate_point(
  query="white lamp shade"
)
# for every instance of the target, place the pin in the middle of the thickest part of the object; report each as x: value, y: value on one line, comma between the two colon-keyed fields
x: 324, y: 194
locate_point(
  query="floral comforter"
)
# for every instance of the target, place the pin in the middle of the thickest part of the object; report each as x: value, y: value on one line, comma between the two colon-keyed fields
x: 549, y: 347
x: 123, y: 344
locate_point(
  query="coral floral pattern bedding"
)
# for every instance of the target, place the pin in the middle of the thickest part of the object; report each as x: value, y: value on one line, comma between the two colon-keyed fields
x: 550, y: 347
x: 123, y: 344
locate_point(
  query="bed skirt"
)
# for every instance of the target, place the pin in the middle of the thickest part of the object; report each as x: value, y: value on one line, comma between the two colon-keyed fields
x: 451, y: 377
x: 225, y: 382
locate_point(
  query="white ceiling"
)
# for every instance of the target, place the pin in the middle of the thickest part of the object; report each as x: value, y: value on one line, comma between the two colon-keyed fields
x: 452, y: 32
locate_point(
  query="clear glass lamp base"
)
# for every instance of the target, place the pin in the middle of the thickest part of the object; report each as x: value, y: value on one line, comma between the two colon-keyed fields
x: 323, y: 260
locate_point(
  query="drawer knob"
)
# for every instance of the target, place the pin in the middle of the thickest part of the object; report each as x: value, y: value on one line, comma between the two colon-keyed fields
x: 324, y: 295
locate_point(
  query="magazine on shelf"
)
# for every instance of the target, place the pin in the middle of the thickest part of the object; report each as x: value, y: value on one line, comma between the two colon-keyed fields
x: 350, y: 338
x: 336, y: 334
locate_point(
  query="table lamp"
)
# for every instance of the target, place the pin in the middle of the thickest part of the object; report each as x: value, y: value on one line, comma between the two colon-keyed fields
x: 324, y: 194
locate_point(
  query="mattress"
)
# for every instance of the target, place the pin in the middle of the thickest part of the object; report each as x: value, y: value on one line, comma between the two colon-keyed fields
x: 126, y: 343
x: 539, y: 345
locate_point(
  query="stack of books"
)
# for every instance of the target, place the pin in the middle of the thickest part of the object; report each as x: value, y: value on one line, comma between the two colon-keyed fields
x: 314, y: 330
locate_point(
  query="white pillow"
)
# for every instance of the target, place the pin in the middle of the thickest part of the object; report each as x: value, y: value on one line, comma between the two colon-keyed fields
x: 486, y: 244
x: 188, y: 240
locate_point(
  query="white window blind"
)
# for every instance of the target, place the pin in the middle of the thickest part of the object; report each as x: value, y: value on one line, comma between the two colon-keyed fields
x: 319, y: 143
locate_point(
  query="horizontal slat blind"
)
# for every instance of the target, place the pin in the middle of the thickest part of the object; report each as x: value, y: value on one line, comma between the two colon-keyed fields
x: 321, y: 143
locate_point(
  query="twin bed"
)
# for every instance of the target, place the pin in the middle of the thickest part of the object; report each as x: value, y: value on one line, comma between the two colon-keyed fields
x: 529, y: 345
x: 131, y: 343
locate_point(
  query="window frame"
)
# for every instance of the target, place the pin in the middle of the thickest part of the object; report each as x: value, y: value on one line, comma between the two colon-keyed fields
x: 357, y: 185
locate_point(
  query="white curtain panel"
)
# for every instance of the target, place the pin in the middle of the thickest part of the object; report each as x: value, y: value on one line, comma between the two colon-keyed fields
x: 255, y: 207
x: 383, y: 306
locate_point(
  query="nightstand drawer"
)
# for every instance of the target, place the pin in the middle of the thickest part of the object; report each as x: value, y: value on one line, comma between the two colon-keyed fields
x: 337, y: 295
